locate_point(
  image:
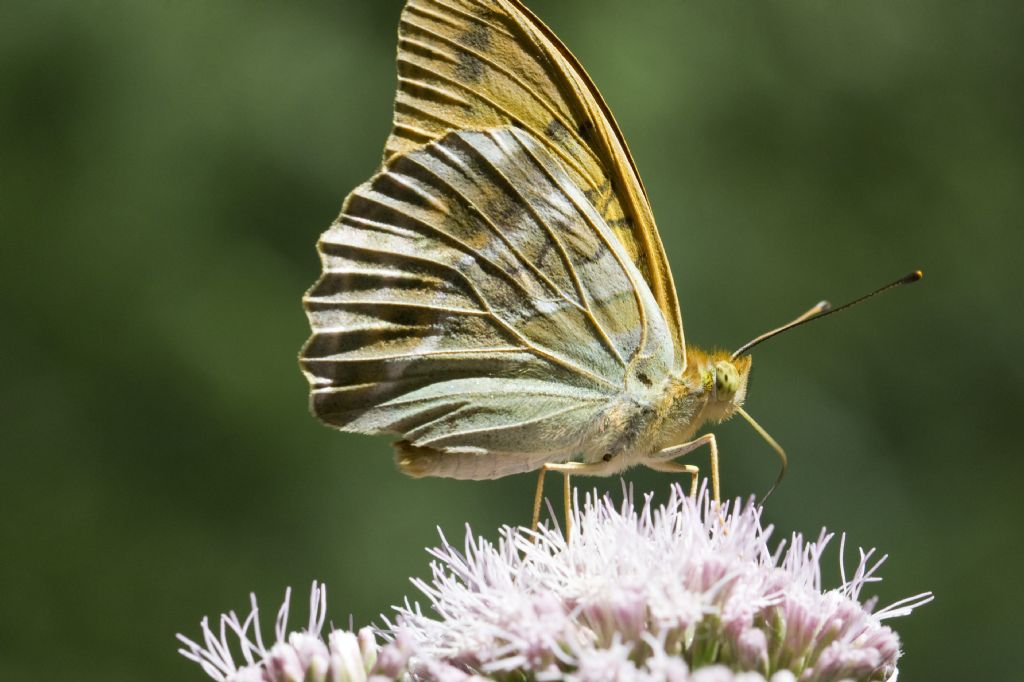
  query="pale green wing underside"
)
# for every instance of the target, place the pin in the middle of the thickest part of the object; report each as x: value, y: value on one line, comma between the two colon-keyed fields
x: 472, y: 300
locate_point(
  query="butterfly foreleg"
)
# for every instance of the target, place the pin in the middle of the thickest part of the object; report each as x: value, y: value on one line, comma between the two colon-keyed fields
x: 663, y: 457
x: 566, y: 469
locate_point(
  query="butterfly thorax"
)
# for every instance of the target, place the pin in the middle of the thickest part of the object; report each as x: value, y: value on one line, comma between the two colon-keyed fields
x: 709, y: 390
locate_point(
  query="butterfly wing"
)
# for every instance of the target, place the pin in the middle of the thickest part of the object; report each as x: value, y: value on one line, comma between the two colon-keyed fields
x: 475, y: 302
x: 483, y: 64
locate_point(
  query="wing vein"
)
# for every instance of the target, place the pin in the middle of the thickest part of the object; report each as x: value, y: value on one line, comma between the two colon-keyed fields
x: 442, y: 95
x: 408, y: 107
x: 490, y: 101
x: 537, y: 272
x: 319, y: 300
x: 485, y: 303
x: 406, y: 42
x: 463, y: 246
x: 526, y: 87
x: 383, y: 274
x: 641, y: 309
x: 504, y: 427
x: 420, y: 354
x: 413, y: 133
x: 559, y: 247
x: 468, y: 16
x: 403, y: 401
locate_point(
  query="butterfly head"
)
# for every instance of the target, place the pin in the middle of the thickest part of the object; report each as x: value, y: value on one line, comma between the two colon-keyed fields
x: 725, y: 380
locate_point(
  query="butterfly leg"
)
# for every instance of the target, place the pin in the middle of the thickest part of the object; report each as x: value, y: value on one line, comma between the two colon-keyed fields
x: 566, y: 469
x: 677, y: 468
x: 667, y: 454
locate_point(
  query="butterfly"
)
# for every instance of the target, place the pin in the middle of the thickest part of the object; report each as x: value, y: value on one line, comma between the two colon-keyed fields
x: 497, y: 294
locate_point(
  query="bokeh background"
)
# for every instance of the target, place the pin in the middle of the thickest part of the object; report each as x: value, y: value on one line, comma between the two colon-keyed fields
x: 166, y: 168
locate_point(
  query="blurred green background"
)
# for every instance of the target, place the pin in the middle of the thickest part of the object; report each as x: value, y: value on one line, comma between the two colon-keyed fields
x: 166, y: 167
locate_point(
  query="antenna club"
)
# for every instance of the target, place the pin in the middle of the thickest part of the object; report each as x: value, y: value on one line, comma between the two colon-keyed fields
x: 915, y: 276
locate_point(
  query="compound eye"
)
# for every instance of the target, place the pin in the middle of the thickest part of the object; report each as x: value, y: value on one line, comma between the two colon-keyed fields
x: 726, y: 380
x: 719, y: 380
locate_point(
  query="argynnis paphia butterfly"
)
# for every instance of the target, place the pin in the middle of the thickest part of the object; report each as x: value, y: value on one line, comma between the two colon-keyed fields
x: 497, y: 294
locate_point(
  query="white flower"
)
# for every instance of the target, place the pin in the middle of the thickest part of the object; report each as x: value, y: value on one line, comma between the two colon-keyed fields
x: 297, y: 657
x: 685, y: 592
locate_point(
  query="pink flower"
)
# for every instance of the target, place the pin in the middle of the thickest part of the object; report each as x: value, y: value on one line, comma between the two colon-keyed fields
x: 685, y: 592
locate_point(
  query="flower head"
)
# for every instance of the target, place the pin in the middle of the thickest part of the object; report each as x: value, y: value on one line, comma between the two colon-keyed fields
x: 687, y: 591
x: 296, y: 657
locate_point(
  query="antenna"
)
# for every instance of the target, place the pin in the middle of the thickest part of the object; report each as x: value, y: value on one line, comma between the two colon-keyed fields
x: 824, y: 309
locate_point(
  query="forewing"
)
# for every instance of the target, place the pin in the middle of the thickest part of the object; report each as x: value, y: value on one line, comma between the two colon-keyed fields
x: 479, y: 64
x: 473, y: 300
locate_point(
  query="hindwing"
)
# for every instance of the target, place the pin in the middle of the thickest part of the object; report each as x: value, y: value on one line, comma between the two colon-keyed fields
x: 473, y: 300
